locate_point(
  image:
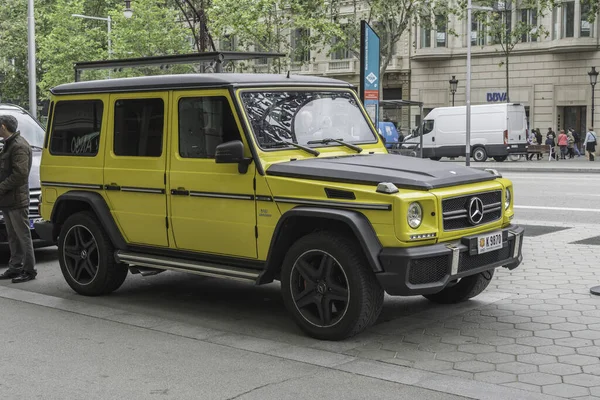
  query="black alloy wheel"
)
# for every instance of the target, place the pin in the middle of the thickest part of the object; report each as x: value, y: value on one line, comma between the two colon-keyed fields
x: 81, y: 256
x: 319, y: 288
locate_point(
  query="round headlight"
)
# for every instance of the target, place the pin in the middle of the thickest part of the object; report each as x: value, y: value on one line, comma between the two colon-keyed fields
x: 507, y: 199
x: 414, y: 215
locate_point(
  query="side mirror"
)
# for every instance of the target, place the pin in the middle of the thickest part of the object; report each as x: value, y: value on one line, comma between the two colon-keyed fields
x: 232, y: 153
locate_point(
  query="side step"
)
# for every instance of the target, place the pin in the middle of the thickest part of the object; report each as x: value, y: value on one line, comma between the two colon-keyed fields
x: 194, y: 267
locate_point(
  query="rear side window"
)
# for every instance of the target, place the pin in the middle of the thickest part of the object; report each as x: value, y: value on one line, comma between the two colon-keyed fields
x: 76, y: 128
x: 139, y: 127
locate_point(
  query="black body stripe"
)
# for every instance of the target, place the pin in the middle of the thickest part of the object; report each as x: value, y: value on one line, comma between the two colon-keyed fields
x: 365, y: 206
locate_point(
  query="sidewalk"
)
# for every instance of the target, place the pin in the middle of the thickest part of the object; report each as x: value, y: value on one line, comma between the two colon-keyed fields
x: 576, y: 165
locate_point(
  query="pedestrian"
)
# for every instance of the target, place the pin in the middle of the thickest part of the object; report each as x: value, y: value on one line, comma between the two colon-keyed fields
x: 590, y: 143
x: 571, y: 144
x: 577, y: 146
x: 540, y: 140
x: 530, y: 141
x: 15, y: 165
x: 563, y: 143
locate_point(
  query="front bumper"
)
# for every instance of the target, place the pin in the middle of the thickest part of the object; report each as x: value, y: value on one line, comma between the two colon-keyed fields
x: 428, y: 269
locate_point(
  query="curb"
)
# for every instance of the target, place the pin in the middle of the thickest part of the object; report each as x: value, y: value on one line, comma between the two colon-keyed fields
x: 541, y: 170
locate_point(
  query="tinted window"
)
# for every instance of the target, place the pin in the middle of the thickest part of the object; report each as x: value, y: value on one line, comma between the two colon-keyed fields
x: 205, y: 123
x: 139, y: 127
x: 76, y: 128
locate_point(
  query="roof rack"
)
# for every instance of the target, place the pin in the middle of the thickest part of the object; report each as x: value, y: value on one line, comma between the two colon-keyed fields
x: 217, y: 57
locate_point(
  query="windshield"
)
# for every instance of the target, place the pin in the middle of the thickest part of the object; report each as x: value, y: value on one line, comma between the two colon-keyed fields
x: 305, y: 116
x: 29, y: 128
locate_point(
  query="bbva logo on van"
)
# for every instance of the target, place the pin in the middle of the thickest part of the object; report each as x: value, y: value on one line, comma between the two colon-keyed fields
x: 496, y: 96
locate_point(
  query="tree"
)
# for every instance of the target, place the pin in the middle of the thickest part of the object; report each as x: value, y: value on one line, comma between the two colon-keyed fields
x: 498, y: 25
x: 194, y: 13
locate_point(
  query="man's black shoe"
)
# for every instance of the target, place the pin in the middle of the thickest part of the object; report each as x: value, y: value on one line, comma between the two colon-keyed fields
x: 10, y: 274
x: 24, y: 277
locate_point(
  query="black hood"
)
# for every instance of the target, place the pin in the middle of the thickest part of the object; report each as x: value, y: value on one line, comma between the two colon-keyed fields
x: 404, y: 172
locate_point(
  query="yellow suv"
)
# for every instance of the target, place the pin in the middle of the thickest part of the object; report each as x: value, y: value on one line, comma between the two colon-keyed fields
x: 261, y: 178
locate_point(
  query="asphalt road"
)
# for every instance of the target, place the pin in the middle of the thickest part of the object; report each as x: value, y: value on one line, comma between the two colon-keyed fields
x: 561, y: 198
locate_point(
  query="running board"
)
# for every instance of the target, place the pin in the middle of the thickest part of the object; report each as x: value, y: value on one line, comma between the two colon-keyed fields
x: 194, y: 267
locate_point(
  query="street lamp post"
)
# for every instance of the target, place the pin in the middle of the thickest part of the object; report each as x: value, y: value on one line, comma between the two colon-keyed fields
x: 31, y: 59
x: 593, y: 74
x: 453, y: 87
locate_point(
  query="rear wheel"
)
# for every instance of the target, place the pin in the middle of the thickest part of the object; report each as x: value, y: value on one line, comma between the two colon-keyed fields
x: 328, y: 287
x: 500, y: 158
x: 463, y: 289
x: 479, y: 154
x: 86, y: 256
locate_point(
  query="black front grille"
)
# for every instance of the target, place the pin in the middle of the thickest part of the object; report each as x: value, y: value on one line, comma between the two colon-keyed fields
x: 455, y: 210
x: 467, y: 263
x: 34, y: 200
x: 428, y: 270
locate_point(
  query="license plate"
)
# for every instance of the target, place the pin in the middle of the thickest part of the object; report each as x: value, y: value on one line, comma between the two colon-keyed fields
x: 487, y: 243
x: 514, y: 146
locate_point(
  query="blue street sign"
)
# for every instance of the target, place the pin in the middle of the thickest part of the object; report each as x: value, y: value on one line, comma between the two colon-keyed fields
x: 369, y: 68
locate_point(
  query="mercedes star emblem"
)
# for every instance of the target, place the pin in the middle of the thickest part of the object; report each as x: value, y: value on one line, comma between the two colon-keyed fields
x: 475, y: 210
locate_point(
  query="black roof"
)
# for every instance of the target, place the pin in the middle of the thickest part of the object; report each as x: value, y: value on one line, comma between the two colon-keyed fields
x: 189, y: 81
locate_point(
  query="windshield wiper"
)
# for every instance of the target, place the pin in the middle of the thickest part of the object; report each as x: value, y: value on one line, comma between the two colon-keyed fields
x: 340, y: 141
x: 299, y: 146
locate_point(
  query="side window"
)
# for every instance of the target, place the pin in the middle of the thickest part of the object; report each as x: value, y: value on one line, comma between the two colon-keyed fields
x: 139, y: 127
x: 205, y: 123
x: 76, y: 128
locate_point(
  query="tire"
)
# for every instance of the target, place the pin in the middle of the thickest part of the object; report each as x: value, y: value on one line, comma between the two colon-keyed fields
x: 515, y: 157
x: 435, y: 158
x: 326, y: 274
x: 500, y: 158
x: 466, y: 288
x: 86, y: 257
x: 479, y: 154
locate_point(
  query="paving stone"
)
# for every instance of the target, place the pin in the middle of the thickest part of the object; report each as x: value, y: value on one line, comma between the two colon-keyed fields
x: 515, y: 349
x: 524, y: 386
x: 438, y: 347
x: 568, y: 326
x: 441, y: 331
x: 495, y: 358
x: 565, y: 390
x: 535, y: 341
x: 577, y: 359
x: 565, y: 313
x: 455, y: 356
x: 573, y: 342
x: 515, y: 333
x: 537, y: 359
x: 592, y: 369
x: 420, y: 338
x: 595, y: 391
x: 549, y: 319
x: 587, y: 334
x: 546, y: 307
x: 531, y: 313
x: 517, y: 368
x: 435, y: 365
x: 495, y: 377
x: 460, y: 374
x: 586, y: 380
x: 539, y: 378
x: 552, y: 334
x: 560, y: 369
x: 458, y: 340
x: 473, y: 366
x: 514, y: 319
x: 496, y: 340
x: 593, y: 351
x: 460, y: 325
x: 478, y: 332
x: 371, y: 354
x: 555, y: 350
x: 476, y: 348
x: 532, y: 326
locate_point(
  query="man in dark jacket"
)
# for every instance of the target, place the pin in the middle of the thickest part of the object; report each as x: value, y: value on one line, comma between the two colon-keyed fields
x: 15, y: 165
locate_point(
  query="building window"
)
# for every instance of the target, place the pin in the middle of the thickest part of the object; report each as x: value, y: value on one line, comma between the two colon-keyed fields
x: 568, y: 21
x: 586, y: 25
x: 205, y: 123
x: 76, y: 127
x: 139, y: 127
x: 300, y: 45
x: 529, y: 17
x: 505, y: 26
x: 341, y: 47
x: 425, y: 37
x: 441, y: 24
x: 478, y: 30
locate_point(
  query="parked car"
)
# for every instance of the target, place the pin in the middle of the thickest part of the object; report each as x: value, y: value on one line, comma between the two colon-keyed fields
x: 33, y: 132
x: 497, y: 130
x: 260, y: 177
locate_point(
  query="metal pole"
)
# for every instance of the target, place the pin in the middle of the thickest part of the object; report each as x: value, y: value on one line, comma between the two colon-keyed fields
x: 421, y: 131
x: 452, y: 99
x: 31, y: 59
x: 468, y: 88
x: 109, y: 20
x: 593, y: 86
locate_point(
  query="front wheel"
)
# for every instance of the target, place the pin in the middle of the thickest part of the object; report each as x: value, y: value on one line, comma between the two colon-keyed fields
x: 329, y: 288
x: 463, y: 289
x: 500, y: 158
x: 479, y: 154
x: 86, y: 256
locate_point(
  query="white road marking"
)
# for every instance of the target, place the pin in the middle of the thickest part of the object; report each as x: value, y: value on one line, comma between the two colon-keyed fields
x: 597, y: 210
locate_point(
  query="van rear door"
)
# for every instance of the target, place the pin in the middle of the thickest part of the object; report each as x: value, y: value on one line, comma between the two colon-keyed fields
x: 516, y: 125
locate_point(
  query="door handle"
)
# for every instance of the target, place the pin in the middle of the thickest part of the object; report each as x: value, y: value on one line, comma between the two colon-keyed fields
x: 112, y: 186
x: 180, y: 192
x: 433, y: 139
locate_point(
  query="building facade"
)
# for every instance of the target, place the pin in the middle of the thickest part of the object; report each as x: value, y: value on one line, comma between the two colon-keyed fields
x: 547, y: 74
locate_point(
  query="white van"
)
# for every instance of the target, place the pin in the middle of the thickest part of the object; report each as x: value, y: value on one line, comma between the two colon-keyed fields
x: 497, y: 130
